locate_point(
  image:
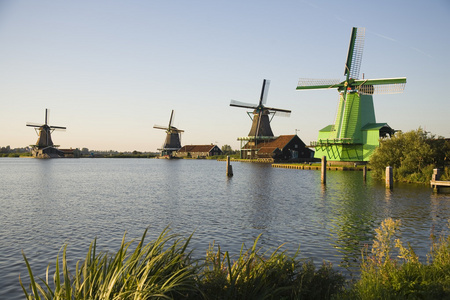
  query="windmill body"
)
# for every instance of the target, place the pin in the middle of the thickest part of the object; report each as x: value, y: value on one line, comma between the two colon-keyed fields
x: 172, y: 142
x: 261, y: 125
x: 261, y: 116
x: 355, y: 133
x: 44, y: 147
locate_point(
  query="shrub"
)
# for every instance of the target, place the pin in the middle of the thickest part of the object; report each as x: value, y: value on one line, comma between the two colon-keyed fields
x: 413, y: 155
x: 384, y: 276
x: 268, y: 275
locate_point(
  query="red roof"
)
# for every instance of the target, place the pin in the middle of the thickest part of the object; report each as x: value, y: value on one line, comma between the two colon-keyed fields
x: 267, y: 150
x: 280, y: 142
x: 196, y: 148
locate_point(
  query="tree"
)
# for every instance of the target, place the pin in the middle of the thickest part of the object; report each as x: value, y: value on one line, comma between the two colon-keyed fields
x: 226, y: 149
x: 413, y: 155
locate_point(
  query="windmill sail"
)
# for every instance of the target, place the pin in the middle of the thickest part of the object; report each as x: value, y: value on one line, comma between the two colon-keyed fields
x: 354, y: 55
x: 264, y: 92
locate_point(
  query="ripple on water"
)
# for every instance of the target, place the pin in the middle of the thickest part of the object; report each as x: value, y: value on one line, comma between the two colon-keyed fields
x: 49, y: 203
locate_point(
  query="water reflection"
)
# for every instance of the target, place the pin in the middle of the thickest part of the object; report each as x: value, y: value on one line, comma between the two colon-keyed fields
x: 260, y: 196
x: 352, y: 218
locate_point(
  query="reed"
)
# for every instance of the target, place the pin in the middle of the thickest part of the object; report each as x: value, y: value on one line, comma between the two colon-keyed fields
x: 266, y: 275
x: 160, y: 269
x: 163, y: 269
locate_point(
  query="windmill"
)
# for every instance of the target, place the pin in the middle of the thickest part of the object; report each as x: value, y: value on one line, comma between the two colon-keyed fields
x: 355, y: 133
x: 173, y: 138
x: 260, y: 130
x: 44, y: 146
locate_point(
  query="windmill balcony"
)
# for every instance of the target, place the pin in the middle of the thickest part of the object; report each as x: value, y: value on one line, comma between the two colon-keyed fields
x: 343, y: 141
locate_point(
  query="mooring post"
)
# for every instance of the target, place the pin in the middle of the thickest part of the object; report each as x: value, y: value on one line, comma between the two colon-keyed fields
x: 324, y: 170
x: 435, y: 177
x: 229, y: 167
x: 365, y: 173
x: 389, y: 178
x: 436, y: 174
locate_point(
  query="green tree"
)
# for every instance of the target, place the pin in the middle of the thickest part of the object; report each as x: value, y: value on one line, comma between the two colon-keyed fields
x: 412, y: 154
x: 226, y: 149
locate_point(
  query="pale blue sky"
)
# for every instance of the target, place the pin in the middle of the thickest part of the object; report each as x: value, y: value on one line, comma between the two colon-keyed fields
x: 110, y: 70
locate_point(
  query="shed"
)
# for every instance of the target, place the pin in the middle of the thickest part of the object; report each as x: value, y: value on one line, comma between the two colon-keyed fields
x: 199, y: 151
x: 286, y: 147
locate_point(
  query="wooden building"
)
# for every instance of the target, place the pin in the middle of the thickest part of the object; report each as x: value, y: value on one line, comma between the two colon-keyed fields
x: 284, y: 147
x: 199, y: 151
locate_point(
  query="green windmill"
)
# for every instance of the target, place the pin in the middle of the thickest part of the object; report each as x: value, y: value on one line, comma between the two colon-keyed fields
x: 355, y: 134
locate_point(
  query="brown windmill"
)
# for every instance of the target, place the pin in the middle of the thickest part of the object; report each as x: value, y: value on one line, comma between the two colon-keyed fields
x: 173, y: 138
x: 44, y: 147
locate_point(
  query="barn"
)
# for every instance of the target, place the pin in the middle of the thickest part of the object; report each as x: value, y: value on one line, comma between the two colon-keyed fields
x: 199, y: 151
x: 284, y: 147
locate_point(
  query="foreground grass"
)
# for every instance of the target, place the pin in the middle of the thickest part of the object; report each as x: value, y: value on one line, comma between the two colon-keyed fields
x: 385, y: 275
x: 164, y: 269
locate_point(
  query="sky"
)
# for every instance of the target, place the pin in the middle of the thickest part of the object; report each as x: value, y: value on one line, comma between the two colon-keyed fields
x: 110, y: 70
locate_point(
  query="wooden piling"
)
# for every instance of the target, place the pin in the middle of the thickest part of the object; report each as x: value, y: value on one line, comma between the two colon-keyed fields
x: 324, y: 170
x: 364, y: 173
x: 229, y: 167
x: 435, y: 177
x: 389, y: 178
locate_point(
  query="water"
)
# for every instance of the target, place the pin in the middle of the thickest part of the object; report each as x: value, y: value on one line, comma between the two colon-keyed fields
x: 45, y: 204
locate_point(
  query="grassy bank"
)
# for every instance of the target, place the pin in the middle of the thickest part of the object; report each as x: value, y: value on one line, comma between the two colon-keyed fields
x: 164, y: 269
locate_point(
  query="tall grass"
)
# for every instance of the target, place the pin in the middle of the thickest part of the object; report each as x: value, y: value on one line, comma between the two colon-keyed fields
x: 393, y: 271
x: 163, y: 269
x: 266, y: 275
x: 160, y: 269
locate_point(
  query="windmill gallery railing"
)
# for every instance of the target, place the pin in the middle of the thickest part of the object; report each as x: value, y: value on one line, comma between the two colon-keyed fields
x: 327, y: 142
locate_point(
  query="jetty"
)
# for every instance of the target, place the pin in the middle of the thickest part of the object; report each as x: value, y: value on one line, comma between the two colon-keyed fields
x: 317, y: 167
x: 437, y: 184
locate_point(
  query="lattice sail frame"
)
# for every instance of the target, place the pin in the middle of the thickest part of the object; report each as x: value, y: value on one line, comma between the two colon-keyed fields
x: 382, y: 89
x: 316, y: 82
x: 355, y: 53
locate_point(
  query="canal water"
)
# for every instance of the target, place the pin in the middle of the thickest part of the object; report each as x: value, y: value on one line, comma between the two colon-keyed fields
x: 45, y: 204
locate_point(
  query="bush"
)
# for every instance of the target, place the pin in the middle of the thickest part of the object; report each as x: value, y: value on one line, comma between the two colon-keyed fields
x: 386, y: 276
x: 276, y: 275
x: 413, y: 156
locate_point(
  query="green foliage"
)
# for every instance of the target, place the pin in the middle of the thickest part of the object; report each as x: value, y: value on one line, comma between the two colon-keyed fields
x: 160, y: 269
x: 163, y: 269
x: 275, y: 275
x: 413, y: 156
x: 393, y: 271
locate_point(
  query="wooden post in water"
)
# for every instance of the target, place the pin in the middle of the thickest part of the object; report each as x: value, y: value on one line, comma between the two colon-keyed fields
x: 435, y: 177
x: 324, y: 170
x: 364, y: 173
x: 229, y: 167
x: 389, y: 178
